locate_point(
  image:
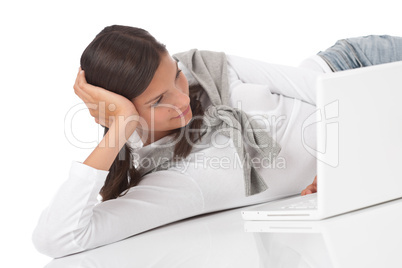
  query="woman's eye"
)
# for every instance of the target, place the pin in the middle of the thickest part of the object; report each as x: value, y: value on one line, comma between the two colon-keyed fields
x: 178, y: 73
x: 157, y: 102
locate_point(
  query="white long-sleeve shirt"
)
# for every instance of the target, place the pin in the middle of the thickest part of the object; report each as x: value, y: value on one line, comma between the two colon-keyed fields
x: 211, y: 178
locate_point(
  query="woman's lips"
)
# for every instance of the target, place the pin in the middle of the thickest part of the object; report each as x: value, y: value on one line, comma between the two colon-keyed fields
x: 184, y: 112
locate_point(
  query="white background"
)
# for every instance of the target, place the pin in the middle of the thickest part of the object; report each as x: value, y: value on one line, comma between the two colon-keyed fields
x: 41, y: 44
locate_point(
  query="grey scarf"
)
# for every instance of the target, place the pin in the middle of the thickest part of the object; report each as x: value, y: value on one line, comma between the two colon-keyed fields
x: 210, y: 70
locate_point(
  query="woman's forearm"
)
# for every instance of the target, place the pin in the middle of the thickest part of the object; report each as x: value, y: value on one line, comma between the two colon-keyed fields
x: 103, y: 156
x: 63, y: 224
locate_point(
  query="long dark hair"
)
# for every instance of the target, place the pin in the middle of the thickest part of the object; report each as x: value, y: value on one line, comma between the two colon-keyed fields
x: 124, y: 59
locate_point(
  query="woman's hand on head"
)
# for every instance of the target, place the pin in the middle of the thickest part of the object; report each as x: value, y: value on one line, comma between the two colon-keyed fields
x: 312, y: 188
x: 105, y: 106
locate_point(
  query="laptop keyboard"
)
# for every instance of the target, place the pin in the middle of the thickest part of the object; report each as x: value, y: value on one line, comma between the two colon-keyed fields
x: 309, y: 202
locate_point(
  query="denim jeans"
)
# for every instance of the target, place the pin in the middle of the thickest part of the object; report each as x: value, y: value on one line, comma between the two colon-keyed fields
x: 362, y: 51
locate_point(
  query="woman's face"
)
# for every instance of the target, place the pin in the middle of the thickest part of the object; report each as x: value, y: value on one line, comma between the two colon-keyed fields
x: 165, y: 104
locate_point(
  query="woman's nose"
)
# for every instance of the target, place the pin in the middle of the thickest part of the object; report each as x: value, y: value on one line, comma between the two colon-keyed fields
x: 182, y: 101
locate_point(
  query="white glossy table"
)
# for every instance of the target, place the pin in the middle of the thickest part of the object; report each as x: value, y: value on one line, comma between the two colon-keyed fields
x: 371, y: 237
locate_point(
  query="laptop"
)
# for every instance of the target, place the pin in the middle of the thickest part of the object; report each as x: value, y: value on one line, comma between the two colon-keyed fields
x: 359, y: 120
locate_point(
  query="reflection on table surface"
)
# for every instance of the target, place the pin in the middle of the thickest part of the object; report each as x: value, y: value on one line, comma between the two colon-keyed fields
x: 371, y: 237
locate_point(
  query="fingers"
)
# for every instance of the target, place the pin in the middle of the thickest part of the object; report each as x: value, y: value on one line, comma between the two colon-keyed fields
x: 81, y: 73
x: 306, y: 192
x: 102, y: 104
x: 309, y: 190
x: 90, y: 90
x: 312, y: 188
x: 88, y: 94
x: 79, y: 85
